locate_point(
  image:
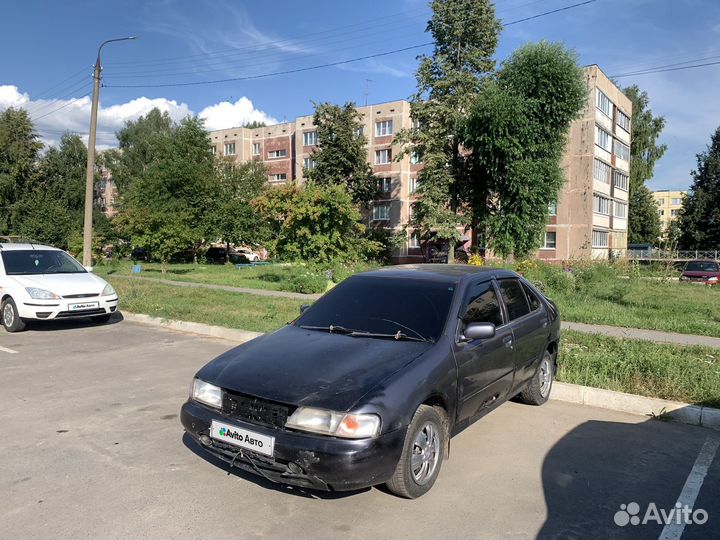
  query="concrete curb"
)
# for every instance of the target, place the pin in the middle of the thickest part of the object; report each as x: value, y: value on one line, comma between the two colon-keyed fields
x: 676, y: 411
x: 655, y: 336
x: 230, y: 334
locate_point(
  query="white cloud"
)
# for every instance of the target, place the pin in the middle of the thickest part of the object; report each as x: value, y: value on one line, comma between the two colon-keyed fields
x: 54, y: 117
x: 225, y: 114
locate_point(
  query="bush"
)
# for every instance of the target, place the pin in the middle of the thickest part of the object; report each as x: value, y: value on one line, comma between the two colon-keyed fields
x: 476, y: 260
x: 308, y: 282
x: 562, y: 281
x: 525, y: 266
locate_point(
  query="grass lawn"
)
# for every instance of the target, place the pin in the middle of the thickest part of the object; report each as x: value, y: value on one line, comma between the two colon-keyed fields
x: 243, y: 311
x: 690, y: 374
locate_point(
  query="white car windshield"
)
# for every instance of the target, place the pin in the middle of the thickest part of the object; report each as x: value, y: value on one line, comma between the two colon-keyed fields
x: 23, y: 262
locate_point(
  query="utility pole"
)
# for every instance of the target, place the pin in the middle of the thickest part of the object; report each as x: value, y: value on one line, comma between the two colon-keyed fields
x: 90, y: 173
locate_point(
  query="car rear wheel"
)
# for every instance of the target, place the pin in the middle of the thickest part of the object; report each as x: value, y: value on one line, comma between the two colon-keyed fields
x: 10, y: 318
x: 422, y: 455
x: 538, y: 391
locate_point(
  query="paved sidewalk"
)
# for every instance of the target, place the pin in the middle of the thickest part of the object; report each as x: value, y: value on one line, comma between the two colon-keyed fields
x: 228, y: 288
x: 647, y: 335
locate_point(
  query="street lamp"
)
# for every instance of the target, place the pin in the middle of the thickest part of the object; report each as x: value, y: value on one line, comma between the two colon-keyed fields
x: 90, y: 173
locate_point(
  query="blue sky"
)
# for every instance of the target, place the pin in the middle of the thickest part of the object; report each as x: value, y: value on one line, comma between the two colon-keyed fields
x: 184, y: 41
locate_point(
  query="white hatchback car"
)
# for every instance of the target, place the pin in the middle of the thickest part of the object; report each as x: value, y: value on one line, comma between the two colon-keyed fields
x: 42, y: 282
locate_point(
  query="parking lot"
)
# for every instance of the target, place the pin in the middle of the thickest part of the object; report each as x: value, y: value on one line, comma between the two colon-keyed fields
x: 92, y: 447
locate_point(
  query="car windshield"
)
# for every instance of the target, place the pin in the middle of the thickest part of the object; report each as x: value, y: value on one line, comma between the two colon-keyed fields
x: 701, y: 266
x: 416, y: 308
x: 39, y: 261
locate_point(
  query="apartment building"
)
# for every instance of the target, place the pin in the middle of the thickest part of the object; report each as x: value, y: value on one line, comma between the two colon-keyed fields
x: 588, y: 221
x: 669, y: 205
x: 106, y: 193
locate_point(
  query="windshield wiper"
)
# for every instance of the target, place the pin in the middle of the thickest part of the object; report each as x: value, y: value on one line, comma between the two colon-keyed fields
x: 333, y: 329
x: 399, y: 336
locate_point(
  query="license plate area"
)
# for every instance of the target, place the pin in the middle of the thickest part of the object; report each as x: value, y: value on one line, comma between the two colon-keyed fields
x: 242, y: 438
x: 83, y: 305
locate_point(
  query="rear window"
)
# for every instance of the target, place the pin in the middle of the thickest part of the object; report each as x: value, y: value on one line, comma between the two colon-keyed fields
x: 532, y: 297
x: 701, y: 266
x: 514, y: 298
x: 417, y: 308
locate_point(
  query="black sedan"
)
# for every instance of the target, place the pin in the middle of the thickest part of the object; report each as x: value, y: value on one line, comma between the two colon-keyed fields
x: 368, y: 385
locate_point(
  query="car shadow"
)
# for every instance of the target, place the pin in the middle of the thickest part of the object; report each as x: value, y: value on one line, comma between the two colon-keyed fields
x: 591, y: 476
x: 261, y: 481
x: 65, y: 325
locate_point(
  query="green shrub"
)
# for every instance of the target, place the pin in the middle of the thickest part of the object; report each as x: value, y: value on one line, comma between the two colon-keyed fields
x: 307, y: 282
x: 562, y: 281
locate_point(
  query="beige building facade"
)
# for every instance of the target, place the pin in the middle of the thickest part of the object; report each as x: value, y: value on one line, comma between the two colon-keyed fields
x: 669, y: 205
x: 589, y: 220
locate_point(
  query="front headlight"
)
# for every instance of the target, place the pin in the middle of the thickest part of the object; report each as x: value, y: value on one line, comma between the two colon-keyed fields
x: 206, y: 393
x: 108, y: 290
x: 41, y: 294
x: 714, y: 278
x: 346, y: 425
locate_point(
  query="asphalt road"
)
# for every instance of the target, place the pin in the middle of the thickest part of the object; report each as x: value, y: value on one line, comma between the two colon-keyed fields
x: 92, y: 447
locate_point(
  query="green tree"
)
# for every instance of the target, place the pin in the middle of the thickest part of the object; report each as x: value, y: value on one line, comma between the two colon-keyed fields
x: 466, y: 34
x: 19, y: 149
x: 700, y: 215
x: 314, y: 223
x: 643, y: 220
x: 254, y: 124
x: 341, y: 155
x: 517, y: 131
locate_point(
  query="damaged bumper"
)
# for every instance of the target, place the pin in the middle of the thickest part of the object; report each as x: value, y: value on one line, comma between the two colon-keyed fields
x: 302, y: 459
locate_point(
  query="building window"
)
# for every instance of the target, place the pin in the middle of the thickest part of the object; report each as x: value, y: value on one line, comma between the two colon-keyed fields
x: 676, y: 201
x: 414, y: 241
x: 416, y: 124
x: 552, y: 209
x: 383, y: 156
x: 384, y: 185
x: 601, y: 205
x: 277, y: 154
x: 256, y: 149
x: 661, y: 213
x: 550, y: 240
x: 281, y: 177
x: 213, y: 149
x: 359, y: 132
x: 309, y: 163
x: 414, y: 158
x: 621, y: 180
x: 623, y: 120
x: 381, y: 212
x: 674, y: 212
x: 661, y: 202
x: 229, y: 149
x: 310, y: 138
x: 600, y: 239
x: 622, y: 151
x: 620, y: 209
x: 412, y: 187
x: 383, y: 128
x: 604, y: 104
x: 603, y: 139
x: 602, y: 171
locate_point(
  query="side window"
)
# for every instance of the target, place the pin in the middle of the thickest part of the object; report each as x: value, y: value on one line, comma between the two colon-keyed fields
x: 514, y: 298
x: 483, y: 305
x: 532, y: 297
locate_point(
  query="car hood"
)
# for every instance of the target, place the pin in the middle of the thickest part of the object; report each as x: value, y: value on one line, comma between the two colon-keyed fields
x: 64, y: 284
x: 310, y: 368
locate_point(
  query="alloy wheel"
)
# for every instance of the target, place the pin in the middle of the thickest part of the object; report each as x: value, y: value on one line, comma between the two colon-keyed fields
x: 545, y: 377
x: 425, y: 453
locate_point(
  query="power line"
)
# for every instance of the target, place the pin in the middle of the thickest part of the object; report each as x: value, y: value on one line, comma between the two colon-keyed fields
x: 329, y: 64
x: 671, y: 67
x: 43, y: 104
x: 68, y: 103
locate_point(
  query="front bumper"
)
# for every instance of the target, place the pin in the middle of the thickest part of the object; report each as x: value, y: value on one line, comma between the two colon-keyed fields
x: 61, y: 309
x: 302, y: 459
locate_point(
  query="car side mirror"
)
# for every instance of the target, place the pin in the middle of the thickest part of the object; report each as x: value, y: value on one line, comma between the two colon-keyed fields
x: 479, y: 330
x: 304, y: 308
x: 88, y: 268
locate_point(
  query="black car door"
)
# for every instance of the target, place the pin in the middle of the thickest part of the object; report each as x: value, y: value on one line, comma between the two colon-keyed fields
x: 485, y: 366
x: 529, y: 323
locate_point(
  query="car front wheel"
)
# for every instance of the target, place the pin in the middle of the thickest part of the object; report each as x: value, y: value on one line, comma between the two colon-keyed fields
x: 422, y: 455
x: 10, y: 318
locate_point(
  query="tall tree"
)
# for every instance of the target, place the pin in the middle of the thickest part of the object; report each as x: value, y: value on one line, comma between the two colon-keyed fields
x: 700, y: 216
x: 341, y: 155
x: 466, y: 34
x: 517, y: 131
x: 643, y: 220
x: 19, y: 149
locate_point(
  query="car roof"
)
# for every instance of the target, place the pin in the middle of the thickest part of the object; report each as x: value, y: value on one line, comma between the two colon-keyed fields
x: 12, y: 246
x: 448, y: 273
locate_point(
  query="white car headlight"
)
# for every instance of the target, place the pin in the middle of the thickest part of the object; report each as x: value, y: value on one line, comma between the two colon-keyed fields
x: 108, y: 290
x: 346, y: 425
x: 206, y: 393
x: 714, y: 278
x: 41, y: 294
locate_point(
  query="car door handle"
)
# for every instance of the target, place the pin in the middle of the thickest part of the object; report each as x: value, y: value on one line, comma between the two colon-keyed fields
x: 508, y: 341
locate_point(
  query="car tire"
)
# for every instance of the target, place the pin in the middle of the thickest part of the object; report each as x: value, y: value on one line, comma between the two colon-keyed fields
x: 101, y: 318
x: 11, y: 320
x: 417, y: 471
x: 538, y: 391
